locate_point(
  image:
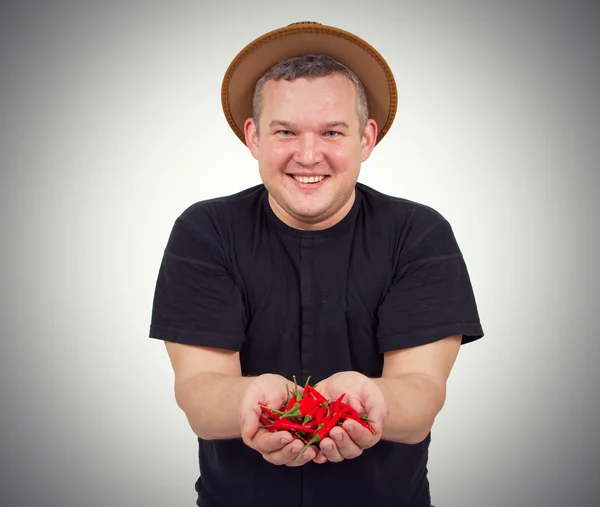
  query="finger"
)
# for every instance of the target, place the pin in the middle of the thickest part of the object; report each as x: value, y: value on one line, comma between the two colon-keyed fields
x: 320, y: 458
x: 376, y: 417
x: 345, y: 447
x: 266, y: 442
x: 376, y: 410
x: 308, y: 455
x: 330, y: 450
x: 357, y: 405
x: 249, y: 422
x: 288, y: 454
x: 249, y: 416
x: 359, y: 435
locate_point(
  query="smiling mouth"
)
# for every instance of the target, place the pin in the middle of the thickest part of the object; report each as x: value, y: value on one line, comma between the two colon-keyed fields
x: 308, y: 179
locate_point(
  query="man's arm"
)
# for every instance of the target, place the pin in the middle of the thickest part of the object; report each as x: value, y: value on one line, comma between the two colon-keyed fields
x: 208, y: 388
x: 413, y: 383
x: 217, y: 400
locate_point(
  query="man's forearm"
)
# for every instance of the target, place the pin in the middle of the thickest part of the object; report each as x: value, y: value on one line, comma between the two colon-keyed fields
x: 413, y: 402
x: 211, y: 402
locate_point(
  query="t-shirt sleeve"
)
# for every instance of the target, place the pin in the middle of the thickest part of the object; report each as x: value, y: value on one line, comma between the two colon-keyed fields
x: 431, y: 296
x: 196, y: 300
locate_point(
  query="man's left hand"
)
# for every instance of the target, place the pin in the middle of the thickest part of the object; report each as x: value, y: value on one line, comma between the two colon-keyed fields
x: 349, y: 440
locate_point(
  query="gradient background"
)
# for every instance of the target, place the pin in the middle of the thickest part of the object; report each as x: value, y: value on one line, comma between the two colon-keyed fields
x: 111, y: 125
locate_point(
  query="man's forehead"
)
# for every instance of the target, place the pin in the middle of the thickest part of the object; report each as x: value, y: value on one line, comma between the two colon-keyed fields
x: 283, y: 94
x: 321, y: 86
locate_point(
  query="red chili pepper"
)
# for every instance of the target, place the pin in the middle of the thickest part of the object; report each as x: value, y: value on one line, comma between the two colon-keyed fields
x: 274, y: 414
x: 310, y: 415
x: 321, y: 412
x: 351, y: 413
x: 314, y: 410
x: 324, y: 431
x: 307, y: 405
x: 269, y: 410
x: 312, y: 424
x: 337, y: 403
x: 289, y: 404
x: 267, y: 424
x: 344, y: 407
x: 290, y: 426
x: 366, y: 425
x: 321, y: 433
x: 318, y: 396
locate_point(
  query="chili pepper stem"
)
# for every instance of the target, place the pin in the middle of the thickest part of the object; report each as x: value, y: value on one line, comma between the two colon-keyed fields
x: 315, y: 439
x: 279, y: 412
x: 295, y: 387
x: 291, y: 415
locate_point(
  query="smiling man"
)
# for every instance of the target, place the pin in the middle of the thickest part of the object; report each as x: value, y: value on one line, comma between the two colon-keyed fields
x: 312, y: 274
x: 313, y: 140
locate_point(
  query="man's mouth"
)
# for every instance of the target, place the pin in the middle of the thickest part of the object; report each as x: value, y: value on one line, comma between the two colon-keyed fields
x: 308, y: 179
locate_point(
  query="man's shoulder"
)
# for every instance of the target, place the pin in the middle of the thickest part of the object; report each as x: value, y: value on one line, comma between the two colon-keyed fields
x: 225, y: 207
x: 389, y: 209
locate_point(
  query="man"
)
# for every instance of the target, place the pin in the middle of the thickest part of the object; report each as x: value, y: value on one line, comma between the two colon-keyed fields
x: 312, y: 274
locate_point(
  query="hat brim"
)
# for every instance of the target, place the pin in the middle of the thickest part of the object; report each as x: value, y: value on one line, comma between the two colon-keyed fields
x: 308, y: 38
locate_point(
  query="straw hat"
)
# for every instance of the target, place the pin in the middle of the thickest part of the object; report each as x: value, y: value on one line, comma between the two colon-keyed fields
x: 303, y: 38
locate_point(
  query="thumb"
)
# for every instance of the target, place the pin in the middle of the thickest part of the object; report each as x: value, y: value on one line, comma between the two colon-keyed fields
x: 376, y: 416
x: 249, y: 416
x: 376, y: 409
x: 249, y: 422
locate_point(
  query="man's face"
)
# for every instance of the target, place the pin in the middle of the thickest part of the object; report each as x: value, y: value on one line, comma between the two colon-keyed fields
x: 310, y: 148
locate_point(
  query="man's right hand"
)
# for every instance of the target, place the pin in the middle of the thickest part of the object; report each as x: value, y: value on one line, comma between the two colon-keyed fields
x: 277, y: 448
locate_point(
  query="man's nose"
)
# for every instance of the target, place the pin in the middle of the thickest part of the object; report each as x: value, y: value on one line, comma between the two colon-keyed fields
x: 308, y: 150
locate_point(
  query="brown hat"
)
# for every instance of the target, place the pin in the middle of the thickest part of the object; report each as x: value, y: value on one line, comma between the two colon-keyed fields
x: 308, y: 37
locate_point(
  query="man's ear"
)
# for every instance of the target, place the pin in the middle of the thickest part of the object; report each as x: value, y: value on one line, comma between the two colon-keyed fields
x: 369, y: 139
x: 251, y: 135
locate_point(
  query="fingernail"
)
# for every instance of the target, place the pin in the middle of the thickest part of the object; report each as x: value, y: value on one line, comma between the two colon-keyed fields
x: 327, y: 447
x: 285, y: 440
x: 337, y: 436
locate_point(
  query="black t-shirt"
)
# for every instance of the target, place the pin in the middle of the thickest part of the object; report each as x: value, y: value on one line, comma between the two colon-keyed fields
x: 388, y: 276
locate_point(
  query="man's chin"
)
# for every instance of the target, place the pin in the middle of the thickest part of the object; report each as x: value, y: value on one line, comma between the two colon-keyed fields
x: 309, y: 215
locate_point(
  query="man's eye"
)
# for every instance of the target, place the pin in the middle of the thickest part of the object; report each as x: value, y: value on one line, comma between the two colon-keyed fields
x: 331, y: 133
x: 285, y: 133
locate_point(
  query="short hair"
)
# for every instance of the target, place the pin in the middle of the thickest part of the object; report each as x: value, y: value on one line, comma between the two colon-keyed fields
x: 310, y: 66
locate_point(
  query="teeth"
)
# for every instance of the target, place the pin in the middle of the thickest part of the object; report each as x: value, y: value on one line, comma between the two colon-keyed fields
x: 309, y: 179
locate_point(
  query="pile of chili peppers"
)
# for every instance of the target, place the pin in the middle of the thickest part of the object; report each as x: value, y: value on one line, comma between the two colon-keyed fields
x: 309, y: 416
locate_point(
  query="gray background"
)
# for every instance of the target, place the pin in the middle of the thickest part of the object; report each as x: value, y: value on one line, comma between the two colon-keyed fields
x: 111, y: 125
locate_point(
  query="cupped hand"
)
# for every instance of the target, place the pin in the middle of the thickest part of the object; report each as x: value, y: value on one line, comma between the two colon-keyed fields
x: 351, y: 439
x: 278, y: 448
